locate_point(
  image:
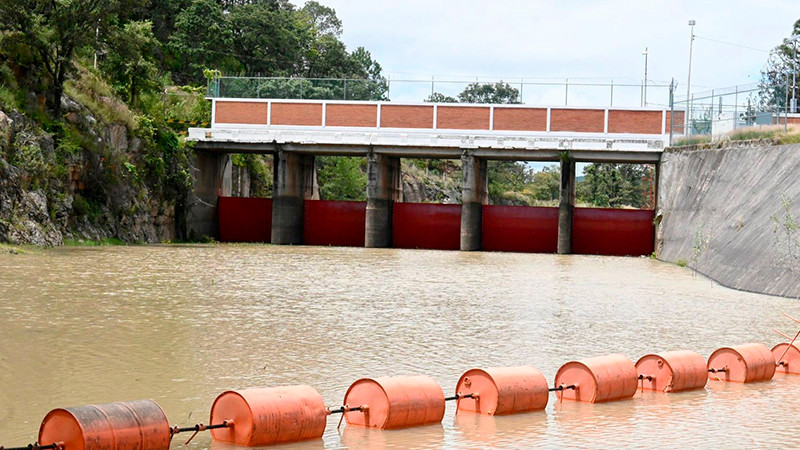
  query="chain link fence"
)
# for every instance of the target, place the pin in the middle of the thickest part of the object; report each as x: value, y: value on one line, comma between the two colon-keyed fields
x: 553, y: 92
x: 716, y: 113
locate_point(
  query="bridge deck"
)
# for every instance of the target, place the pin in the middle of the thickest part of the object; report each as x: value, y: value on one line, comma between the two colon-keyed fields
x: 513, y: 132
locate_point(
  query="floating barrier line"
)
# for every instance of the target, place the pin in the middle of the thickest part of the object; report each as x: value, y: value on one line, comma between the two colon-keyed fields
x: 299, y: 412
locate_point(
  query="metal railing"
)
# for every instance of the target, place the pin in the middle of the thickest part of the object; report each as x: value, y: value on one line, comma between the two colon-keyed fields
x: 566, y: 91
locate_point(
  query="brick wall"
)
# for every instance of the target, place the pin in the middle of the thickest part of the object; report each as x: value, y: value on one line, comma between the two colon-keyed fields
x: 638, y: 122
x: 463, y: 117
x: 678, y: 126
x: 523, y: 119
x: 241, y: 112
x: 782, y: 120
x: 297, y: 114
x: 351, y: 115
x: 580, y: 120
x: 448, y: 117
x: 394, y: 116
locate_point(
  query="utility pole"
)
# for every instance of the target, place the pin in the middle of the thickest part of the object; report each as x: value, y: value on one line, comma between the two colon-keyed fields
x: 689, y: 77
x: 644, y: 100
x: 793, y: 39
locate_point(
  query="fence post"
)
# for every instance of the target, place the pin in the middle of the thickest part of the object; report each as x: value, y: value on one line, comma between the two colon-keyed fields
x: 612, y: 93
x: 711, y: 113
x: 736, y: 108
x: 566, y: 92
x: 344, y: 95
x: 671, y: 107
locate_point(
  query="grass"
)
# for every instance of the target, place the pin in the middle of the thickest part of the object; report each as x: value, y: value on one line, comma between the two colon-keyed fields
x: 90, y: 90
x: 781, y: 133
x: 692, y: 140
x: 681, y: 262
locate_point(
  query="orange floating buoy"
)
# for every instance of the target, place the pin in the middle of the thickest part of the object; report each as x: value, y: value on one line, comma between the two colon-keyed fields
x: 672, y: 371
x: 395, y: 402
x: 502, y: 390
x: 598, y: 379
x: 744, y: 363
x: 139, y: 424
x: 265, y: 416
x: 787, y: 358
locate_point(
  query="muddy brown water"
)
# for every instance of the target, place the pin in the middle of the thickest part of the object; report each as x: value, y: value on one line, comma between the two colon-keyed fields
x: 181, y: 324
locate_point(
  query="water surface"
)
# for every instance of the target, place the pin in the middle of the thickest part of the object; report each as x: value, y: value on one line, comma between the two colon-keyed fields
x: 181, y: 324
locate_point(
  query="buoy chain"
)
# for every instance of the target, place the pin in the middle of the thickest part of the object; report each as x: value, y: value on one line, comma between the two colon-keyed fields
x: 460, y: 396
x: 36, y: 446
x: 344, y: 409
x: 199, y: 427
x: 561, y: 388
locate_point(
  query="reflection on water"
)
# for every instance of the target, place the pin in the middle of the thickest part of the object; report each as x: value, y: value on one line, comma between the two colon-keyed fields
x: 181, y: 324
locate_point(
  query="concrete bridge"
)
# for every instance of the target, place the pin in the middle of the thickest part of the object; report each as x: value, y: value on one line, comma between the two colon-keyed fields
x: 294, y: 131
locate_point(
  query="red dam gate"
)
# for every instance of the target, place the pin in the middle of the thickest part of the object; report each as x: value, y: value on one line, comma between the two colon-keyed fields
x: 614, y: 232
x: 244, y: 219
x: 337, y: 223
x: 520, y: 229
x: 426, y: 225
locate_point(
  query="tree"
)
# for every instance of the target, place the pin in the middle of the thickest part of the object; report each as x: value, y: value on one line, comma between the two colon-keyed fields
x: 438, y: 97
x: 201, y: 36
x: 268, y: 40
x: 616, y: 185
x: 546, y: 184
x: 499, y: 92
x: 323, y: 18
x: 342, y: 178
x: 129, y: 64
x: 54, y: 30
x: 777, y: 74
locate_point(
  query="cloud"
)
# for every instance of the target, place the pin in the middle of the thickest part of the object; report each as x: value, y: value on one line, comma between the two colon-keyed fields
x: 579, y: 38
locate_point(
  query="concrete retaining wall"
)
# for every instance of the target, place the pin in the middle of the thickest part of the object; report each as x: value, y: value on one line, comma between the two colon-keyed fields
x: 715, y: 212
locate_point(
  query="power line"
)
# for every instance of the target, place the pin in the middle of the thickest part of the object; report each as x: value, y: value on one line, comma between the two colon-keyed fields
x: 732, y: 44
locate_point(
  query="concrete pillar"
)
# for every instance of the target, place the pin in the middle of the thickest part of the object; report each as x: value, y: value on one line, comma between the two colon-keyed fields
x: 566, y: 205
x: 294, y: 180
x: 211, y: 174
x: 474, y: 194
x: 384, y: 187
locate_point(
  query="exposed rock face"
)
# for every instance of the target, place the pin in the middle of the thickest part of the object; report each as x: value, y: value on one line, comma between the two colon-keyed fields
x: 43, y: 198
x: 720, y: 210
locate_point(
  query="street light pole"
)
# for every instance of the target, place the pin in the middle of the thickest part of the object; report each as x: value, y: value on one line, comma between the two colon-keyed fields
x: 645, y: 77
x: 793, y: 39
x: 689, y: 77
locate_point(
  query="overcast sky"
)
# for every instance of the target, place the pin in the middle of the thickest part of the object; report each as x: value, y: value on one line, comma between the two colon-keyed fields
x: 573, y: 39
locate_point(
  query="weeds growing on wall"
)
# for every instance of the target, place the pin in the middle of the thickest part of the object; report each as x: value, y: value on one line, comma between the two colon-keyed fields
x: 786, y: 228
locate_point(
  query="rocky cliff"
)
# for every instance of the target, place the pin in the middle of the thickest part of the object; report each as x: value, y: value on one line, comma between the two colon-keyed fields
x: 81, y: 179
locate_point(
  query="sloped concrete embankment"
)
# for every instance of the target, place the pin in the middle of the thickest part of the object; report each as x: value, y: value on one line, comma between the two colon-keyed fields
x: 716, y: 210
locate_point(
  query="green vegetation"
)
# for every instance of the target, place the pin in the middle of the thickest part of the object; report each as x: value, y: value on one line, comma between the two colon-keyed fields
x: 342, y: 178
x: 681, y: 262
x: 691, y: 140
x: 780, y: 133
x: 80, y: 70
x: 616, y: 185
x: 786, y: 228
